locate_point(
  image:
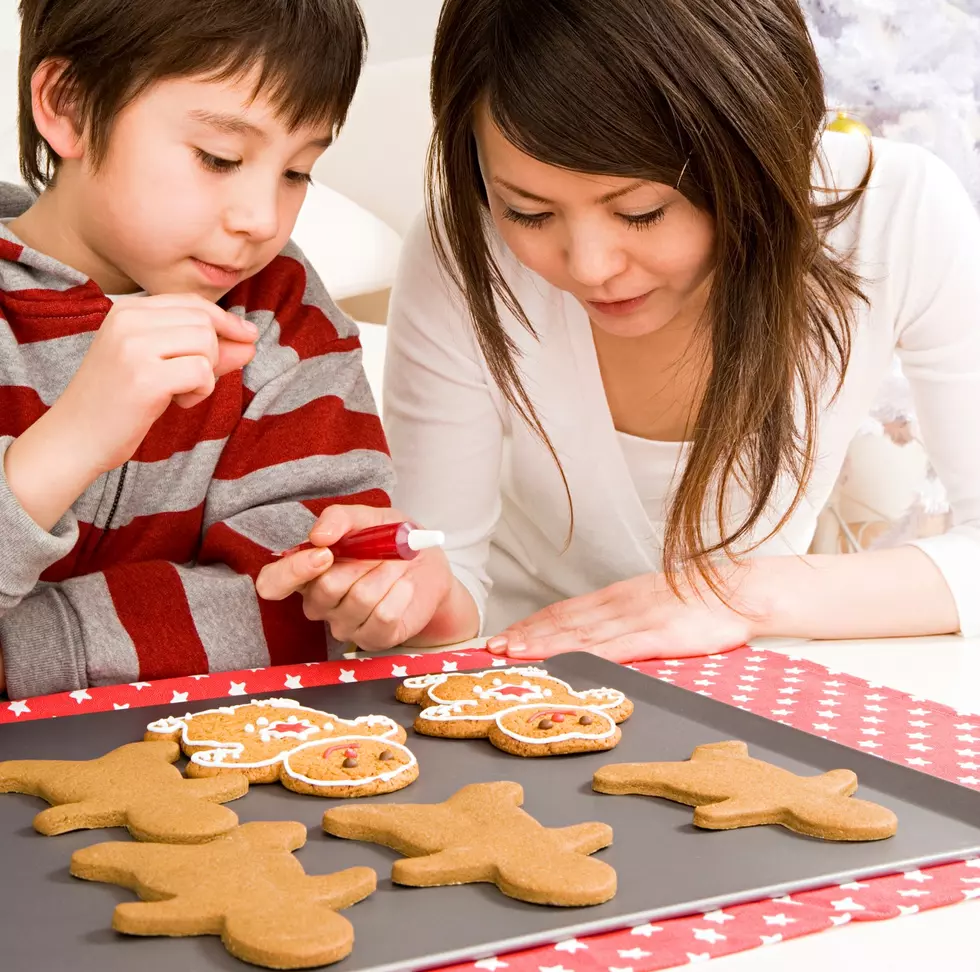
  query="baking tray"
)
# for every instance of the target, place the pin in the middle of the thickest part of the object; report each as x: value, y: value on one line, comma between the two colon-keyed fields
x: 666, y: 867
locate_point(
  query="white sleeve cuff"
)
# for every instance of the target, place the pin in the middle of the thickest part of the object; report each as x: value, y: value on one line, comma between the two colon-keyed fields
x: 958, y: 558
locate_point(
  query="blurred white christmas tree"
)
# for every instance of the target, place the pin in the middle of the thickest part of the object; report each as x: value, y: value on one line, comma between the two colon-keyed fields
x: 908, y: 69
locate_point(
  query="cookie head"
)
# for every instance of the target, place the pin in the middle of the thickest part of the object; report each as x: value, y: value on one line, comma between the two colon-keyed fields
x: 351, y: 766
x: 549, y: 730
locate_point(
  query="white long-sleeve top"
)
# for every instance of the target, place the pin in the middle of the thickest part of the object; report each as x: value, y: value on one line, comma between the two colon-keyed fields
x: 466, y: 464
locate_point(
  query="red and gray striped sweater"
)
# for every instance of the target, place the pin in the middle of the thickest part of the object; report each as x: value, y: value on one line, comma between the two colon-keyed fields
x: 151, y: 573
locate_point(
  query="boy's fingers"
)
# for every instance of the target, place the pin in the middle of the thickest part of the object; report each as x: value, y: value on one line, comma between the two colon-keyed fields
x: 232, y: 356
x: 337, y: 521
x: 226, y: 324
x: 281, y: 578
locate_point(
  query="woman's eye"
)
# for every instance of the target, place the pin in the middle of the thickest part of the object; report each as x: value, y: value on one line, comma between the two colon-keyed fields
x: 299, y: 178
x: 643, y: 220
x: 529, y: 220
x: 214, y: 163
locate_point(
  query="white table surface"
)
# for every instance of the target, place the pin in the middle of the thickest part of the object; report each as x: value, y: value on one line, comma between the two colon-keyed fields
x: 943, y: 669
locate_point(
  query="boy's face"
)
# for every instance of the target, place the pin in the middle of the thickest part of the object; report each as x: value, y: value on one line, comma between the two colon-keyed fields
x: 200, y: 188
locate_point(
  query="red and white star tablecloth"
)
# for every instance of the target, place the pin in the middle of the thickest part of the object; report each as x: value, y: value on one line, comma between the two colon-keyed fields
x: 909, y: 730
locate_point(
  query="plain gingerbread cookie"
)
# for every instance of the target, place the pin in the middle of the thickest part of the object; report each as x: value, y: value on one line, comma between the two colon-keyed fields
x: 135, y: 786
x: 731, y: 789
x: 246, y: 887
x: 482, y: 834
x: 523, y: 711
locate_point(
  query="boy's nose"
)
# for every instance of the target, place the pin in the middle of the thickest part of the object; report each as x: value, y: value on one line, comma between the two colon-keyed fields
x: 255, y: 216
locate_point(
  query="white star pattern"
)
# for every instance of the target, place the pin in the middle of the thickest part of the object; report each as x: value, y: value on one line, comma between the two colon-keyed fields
x: 969, y: 766
x: 973, y: 862
x: 347, y: 675
x: 750, y: 678
x: 79, y: 695
x: 693, y: 957
x: 852, y: 886
x: 179, y: 697
x: 293, y: 682
x: 919, y: 711
x: 881, y: 698
x: 912, y: 892
x: 720, y: 917
x: 967, y: 752
x: 917, y: 876
x: 920, y: 747
x: 917, y: 761
x: 490, y: 964
x: 872, y: 732
x: 784, y: 900
x: 237, y: 688
x: 645, y: 930
x: 703, y: 681
x: 613, y: 968
x: 834, y: 684
x: 833, y: 692
x: 908, y: 910
x: 117, y: 706
x: 919, y: 724
x: 918, y: 735
x: 754, y: 668
x: 968, y: 738
x: 828, y: 715
x: 19, y: 708
x: 633, y: 953
x: 673, y: 663
x: 830, y: 702
x: 846, y: 904
x: 139, y: 686
x: 570, y: 945
x: 770, y: 939
x: 780, y: 920
x: 448, y: 666
x: 399, y: 671
x: 554, y: 968
x: 965, y: 726
x: 197, y: 678
x: 793, y: 681
x: 741, y: 698
x: 708, y: 935
x: 876, y: 708
x: 788, y: 691
x: 781, y: 711
x: 969, y: 893
x: 968, y: 780
x: 869, y: 744
x: 840, y: 919
x: 873, y: 719
x: 822, y: 726
x: 500, y: 663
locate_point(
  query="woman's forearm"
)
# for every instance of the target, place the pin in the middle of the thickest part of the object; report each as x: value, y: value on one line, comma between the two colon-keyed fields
x: 876, y: 594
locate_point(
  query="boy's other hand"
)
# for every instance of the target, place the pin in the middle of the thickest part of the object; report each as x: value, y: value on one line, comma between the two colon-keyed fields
x: 376, y: 604
x: 149, y: 352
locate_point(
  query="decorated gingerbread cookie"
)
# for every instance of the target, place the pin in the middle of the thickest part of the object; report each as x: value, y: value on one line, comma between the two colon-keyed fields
x: 245, y: 886
x: 135, y: 786
x: 482, y: 834
x: 524, y: 711
x: 307, y: 750
x: 731, y: 789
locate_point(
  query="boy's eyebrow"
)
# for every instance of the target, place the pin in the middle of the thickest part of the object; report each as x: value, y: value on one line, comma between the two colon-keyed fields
x: 230, y: 124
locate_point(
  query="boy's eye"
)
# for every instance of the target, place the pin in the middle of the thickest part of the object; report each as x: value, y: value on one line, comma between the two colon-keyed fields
x: 528, y: 220
x: 299, y: 178
x: 214, y: 163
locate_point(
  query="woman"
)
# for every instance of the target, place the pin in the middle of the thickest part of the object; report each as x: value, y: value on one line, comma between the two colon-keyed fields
x: 647, y: 314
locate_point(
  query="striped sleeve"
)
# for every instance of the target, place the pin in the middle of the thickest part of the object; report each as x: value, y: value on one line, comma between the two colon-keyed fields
x: 309, y: 436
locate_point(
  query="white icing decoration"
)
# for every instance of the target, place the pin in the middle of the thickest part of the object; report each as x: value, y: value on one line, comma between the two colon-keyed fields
x: 250, y: 728
x: 382, y: 777
x: 328, y: 726
x: 262, y: 721
x: 227, y: 710
x: 543, y: 741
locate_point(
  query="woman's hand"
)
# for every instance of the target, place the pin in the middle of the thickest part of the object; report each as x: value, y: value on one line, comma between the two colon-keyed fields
x: 375, y: 604
x: 630, y: 621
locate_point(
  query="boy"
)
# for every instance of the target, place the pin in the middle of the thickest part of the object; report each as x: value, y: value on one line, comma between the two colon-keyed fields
x: 179, y: 398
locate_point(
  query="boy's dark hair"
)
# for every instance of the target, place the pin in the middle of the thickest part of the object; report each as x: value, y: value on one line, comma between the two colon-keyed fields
x: 309, y: 54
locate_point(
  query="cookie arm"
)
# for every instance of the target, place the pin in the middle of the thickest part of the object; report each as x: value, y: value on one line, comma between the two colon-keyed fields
x: 85, y: 815
x: 28, y: 775
x: 216, y: 789
x: 341, y: 890
x: 455, y: 865
x: 174, y: 916
x: 585, y: 838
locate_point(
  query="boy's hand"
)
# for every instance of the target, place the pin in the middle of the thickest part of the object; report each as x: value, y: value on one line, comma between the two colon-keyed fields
x: 149, y: 352
x: 376, y: 604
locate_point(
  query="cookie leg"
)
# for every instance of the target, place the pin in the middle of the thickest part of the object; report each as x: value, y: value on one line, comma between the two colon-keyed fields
x: 289, y: 934
x: 457, y: 865
x: 87, y: 815
x: 570, y: 880
x: 173, y: 917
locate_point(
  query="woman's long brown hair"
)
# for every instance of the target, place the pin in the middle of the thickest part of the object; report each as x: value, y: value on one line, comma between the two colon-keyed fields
x: 725, y: 99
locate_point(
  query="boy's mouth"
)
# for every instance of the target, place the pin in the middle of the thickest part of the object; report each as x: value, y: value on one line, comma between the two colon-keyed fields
x: 218, y: 275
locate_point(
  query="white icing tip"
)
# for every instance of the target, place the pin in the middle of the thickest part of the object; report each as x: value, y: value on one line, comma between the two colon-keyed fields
x: 424, y: 539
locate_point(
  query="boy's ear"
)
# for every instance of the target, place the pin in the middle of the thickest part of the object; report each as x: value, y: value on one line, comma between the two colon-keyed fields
x: 54, y: 110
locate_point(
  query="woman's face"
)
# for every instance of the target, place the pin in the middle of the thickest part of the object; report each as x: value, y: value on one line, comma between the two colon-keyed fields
x: 637, y: 255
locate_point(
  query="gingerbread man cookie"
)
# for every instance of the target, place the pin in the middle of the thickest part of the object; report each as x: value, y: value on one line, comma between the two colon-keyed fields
x: 307, y: 750
x: 731, y: 789
x: 245, y: 886
x: 524, y: 711
x: 482, y: 834
x: 135, y: 786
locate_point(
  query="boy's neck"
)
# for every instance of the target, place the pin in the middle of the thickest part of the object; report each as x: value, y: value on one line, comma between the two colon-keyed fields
x: 54, y: 226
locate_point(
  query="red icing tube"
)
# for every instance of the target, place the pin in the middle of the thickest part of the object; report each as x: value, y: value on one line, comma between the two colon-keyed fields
x: 388, y: 541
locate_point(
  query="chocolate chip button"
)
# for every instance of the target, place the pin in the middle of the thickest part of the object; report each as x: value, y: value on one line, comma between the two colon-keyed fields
x: 386, y: 755
x: 349, y: 763
x: 586, y: 720
x: 545, y: 724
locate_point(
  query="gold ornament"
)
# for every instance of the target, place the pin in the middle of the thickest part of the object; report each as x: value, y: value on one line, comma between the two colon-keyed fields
x: 843, y: 122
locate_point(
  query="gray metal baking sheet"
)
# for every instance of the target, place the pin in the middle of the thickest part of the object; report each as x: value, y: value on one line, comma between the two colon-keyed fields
x: 51, y: 921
